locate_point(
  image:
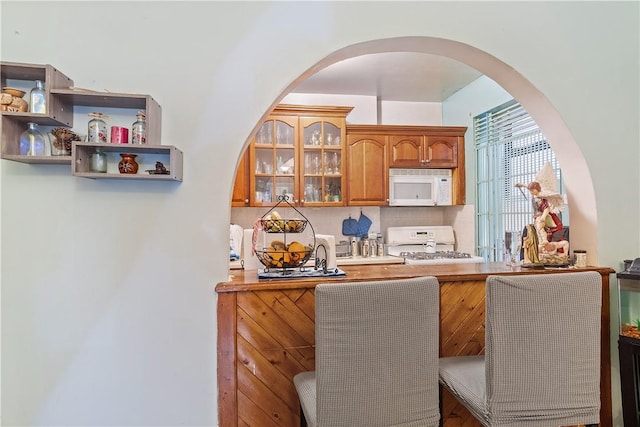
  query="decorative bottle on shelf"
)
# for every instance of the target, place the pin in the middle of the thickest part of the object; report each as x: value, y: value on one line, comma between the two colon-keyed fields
x: 98, y: 161
x: 37, y: 99
x: 139, y: 129
x: 128, y: 164
x: 33, y: 142
x: 97, y: 128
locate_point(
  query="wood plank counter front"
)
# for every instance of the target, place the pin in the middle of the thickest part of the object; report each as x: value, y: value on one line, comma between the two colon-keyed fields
x: 266, y: 335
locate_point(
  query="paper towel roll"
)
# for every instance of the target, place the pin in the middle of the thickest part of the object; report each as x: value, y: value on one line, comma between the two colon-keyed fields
x: 251, y: 261
x: 329, y: 242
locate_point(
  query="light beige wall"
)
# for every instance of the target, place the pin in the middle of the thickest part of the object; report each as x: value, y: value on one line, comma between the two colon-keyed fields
x: 108, y: 308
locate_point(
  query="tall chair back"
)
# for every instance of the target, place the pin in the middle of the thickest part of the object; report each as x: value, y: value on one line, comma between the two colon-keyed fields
x: 542, y: 356
x: 376, y: 355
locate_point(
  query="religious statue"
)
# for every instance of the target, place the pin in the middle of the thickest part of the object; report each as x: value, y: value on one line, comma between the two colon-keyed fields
x: 538, y: 244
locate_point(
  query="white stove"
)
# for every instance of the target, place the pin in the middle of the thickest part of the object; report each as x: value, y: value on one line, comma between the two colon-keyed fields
x: 429, y: 244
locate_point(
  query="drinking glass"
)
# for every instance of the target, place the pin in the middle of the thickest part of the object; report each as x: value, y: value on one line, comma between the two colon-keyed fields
x: 512, y: 246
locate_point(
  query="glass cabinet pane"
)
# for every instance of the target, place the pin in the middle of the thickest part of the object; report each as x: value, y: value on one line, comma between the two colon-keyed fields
x: 284, y: 187
x: 313, y: 134
x: 284, y: 133
x: 285, y: 161
x: 265, y: 134
x: 332, y: 162
x: 263, y: 161
x: 331, y: 134
x: 323, y: 165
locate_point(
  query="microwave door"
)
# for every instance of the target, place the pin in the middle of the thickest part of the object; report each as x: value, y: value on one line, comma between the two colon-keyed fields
x: 413, y: 193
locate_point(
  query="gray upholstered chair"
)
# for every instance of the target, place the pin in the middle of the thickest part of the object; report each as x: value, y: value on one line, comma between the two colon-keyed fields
x: 542, y: 353
x: 376, y: 355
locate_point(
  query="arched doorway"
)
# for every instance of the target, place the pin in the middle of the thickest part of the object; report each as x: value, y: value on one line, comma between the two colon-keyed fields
x: 578, y: 183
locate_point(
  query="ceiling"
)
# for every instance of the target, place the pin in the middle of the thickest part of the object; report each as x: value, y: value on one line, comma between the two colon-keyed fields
x: 393, y: 76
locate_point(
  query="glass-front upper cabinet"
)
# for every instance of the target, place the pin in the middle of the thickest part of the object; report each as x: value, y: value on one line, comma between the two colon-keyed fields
x: 322, y: 160
x: 298, y: 153
x: 273, y: 159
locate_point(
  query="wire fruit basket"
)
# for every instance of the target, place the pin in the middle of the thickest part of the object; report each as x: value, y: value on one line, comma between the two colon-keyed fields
x: 283, y: 244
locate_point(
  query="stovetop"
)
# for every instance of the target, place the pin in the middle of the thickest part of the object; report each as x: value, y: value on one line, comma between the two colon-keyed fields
x: 434, y: 255
x: 414, y: 245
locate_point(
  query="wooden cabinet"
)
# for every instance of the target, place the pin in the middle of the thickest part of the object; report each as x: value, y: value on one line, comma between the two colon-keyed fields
x: 310, y: 154
x: 23, y: 77
x: 406, y: 147
x: 298, y: 153
x: 241, y: 193
x: 424, y: 151
x: 63, y: 102
x: 367, y: 168
x: 322, y: 179
x: 430, y: 147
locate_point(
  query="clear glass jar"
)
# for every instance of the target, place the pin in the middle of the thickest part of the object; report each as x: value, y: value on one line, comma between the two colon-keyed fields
x: 139, y: 129
x: 98, y: 162
x: 37, y: 99
x: 97, y: 128
x: 33, y: 142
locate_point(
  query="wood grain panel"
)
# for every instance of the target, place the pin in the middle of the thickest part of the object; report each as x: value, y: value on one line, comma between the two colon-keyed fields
x: 252, y: 415
x: 270, y: 398
x: 266, y: 335
x: 256, y: 367
x: 268, y: 346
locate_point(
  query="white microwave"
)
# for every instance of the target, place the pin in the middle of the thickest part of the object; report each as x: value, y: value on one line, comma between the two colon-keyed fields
x: 420, y: 187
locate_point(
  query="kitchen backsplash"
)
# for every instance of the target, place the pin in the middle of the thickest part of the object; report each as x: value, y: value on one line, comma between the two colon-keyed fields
x: 328, y: 220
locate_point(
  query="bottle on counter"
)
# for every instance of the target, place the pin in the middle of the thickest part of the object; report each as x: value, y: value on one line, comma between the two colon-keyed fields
x: 365, y: 247
x: 354, y: 246
x: 37, y: 99
x: 139, y: 129
x: 373, y: 247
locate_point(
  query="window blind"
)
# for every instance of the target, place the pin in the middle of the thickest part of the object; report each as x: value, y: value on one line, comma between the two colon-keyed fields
x: 509, y: 148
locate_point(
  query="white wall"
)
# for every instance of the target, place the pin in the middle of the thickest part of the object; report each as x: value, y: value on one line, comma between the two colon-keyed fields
x: 108, y: 303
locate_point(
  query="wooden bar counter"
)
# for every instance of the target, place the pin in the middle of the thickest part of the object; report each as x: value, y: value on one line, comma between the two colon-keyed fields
x: 266, y: 335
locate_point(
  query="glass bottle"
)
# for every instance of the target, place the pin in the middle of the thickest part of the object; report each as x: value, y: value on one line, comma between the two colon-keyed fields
x: 97, y: 128
x: 98, y: 161
x: 37, y: 99
x: 33, y: 142
x: 139, y: 129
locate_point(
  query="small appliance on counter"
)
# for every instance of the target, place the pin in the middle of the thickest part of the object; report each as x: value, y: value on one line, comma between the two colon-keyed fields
x: 343, y: 249
x: 427, y: 244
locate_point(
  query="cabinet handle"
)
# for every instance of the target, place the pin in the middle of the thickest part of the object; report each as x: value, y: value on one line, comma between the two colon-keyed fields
x: 246, y: 201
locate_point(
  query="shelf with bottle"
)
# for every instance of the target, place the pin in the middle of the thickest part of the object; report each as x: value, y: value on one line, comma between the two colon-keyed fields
x: 20, y: 80
x: 155, y: 162
x: 116, y: 104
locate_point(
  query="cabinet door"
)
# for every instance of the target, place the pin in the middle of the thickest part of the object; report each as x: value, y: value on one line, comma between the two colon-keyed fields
x: 406, y: 151
x: 367, y: 170
x: 273, y: 162
x: 241, y: 191
x: 441, y: 151
x: 322, y: 177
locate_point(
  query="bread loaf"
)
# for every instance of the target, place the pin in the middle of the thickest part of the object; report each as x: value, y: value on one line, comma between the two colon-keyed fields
x: 5, y: 98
